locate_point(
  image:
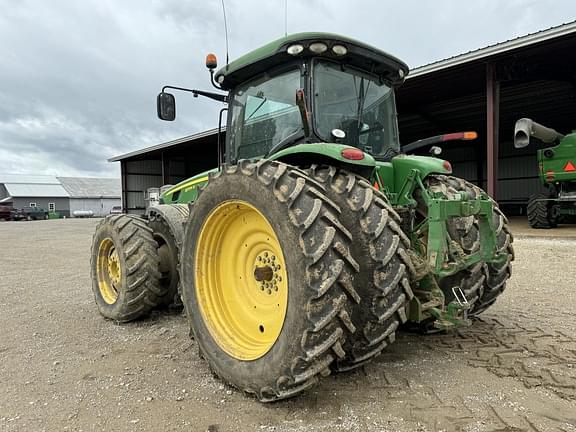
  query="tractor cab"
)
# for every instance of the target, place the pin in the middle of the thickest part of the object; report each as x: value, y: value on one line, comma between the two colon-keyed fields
x: 310, y: 88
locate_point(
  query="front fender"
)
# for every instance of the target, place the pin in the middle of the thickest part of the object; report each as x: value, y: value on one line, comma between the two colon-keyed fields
x: 426, y: 165
x: 324, y: 153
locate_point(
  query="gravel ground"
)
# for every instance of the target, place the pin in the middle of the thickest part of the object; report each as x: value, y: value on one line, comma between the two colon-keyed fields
x: 63, y: 367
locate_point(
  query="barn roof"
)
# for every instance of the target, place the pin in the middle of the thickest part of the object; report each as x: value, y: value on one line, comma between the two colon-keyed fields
x: 86, y: 187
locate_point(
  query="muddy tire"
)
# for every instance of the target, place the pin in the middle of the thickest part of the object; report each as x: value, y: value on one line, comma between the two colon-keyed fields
x: 496, y: 274
x: 380, y: 248
x: 124, y: 268
x: 481, y: 283
x: 167, y: 223
x: 538, y: 212
x: 268, y: 279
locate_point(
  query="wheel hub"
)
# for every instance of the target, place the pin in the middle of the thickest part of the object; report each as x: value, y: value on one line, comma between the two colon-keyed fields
x: 114, y: 267
x: 109, y: 271
x: 267, y: 272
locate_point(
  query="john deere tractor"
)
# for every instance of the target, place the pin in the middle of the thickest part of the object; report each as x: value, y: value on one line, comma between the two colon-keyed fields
x: 557, y: 171
x: 316, y: 237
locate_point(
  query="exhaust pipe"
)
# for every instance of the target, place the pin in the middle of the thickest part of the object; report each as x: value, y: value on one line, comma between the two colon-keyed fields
x: 526, y: 128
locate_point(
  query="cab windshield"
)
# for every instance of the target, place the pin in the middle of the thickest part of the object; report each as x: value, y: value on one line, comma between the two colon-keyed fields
x: 264, y: 113
x: 357, y: 103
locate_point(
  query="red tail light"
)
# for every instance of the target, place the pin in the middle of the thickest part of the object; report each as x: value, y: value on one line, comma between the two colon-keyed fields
x: 447, y: 166
x: 352, y: 154
x: 569, y: 167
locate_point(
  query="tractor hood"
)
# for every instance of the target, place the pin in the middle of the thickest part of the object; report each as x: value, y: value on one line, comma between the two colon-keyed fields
x: 394, y: 173
x: 425, y: 164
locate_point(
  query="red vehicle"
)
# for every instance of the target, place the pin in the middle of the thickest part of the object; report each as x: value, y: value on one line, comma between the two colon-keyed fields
x: 5, y: 213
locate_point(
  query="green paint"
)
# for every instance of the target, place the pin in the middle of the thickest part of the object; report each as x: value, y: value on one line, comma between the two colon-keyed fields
x: 398, y: 177
x: 552, y: 164
x: 328, y: 150
x: 187, y: 190
x: 274, y: 53
x: 552, y: 169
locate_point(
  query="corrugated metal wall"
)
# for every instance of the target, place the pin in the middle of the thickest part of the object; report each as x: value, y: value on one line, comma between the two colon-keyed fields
x: 165, y: 167
x: 137, y: 177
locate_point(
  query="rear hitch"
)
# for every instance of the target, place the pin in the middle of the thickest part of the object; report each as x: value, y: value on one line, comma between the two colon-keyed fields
x: 455, y: 314
x: 428, y: 306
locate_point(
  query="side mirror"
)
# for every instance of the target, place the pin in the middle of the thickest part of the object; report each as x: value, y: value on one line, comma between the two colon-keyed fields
x: 166, y: 106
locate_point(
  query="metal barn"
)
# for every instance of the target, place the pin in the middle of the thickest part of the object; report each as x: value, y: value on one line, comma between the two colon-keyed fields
x: 68, y: 196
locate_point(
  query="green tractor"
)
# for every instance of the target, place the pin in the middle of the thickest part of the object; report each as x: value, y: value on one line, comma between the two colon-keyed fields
x: 557, y: 172
x: 316, y: 237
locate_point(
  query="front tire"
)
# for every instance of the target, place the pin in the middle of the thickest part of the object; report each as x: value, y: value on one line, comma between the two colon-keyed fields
x: 167, y: 224
x: 483, y: 282
x: 267, y: 278
x: 380, y: 248
x: 124, y: 263
x: 539, y: 212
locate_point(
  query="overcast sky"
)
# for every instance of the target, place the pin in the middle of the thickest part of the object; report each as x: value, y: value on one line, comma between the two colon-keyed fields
x: 78, y: 79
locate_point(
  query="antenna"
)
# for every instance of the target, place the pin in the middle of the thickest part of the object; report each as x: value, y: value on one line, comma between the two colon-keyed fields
x: 225, y: 31
x: 285, y: 17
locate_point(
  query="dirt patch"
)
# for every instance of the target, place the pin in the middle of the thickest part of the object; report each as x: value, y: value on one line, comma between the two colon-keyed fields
x: 63, y: 367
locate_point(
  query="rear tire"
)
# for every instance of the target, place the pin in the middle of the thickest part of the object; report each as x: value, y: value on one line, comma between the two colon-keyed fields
x: 273, y: 211
x: 380, y: 248
x: 539, y: 212
x: 167, y: 223
x: 482, y: 291
x: 124, y: 263
x: 483, y: 282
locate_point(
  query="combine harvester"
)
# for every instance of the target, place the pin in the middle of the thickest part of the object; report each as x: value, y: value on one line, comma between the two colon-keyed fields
x: 557, y: 171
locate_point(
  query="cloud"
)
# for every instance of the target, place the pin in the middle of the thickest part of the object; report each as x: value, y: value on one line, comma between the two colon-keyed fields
x: 79, y: 79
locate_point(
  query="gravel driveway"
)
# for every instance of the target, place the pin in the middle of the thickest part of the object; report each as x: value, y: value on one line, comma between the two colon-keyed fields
x: 63, y: 367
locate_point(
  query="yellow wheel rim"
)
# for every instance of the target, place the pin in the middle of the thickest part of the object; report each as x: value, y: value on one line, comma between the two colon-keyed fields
x: 109, y: 271
x: 241, y: 281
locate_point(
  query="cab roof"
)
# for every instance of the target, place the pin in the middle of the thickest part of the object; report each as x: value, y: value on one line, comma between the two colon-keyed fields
x: 391, y: 69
